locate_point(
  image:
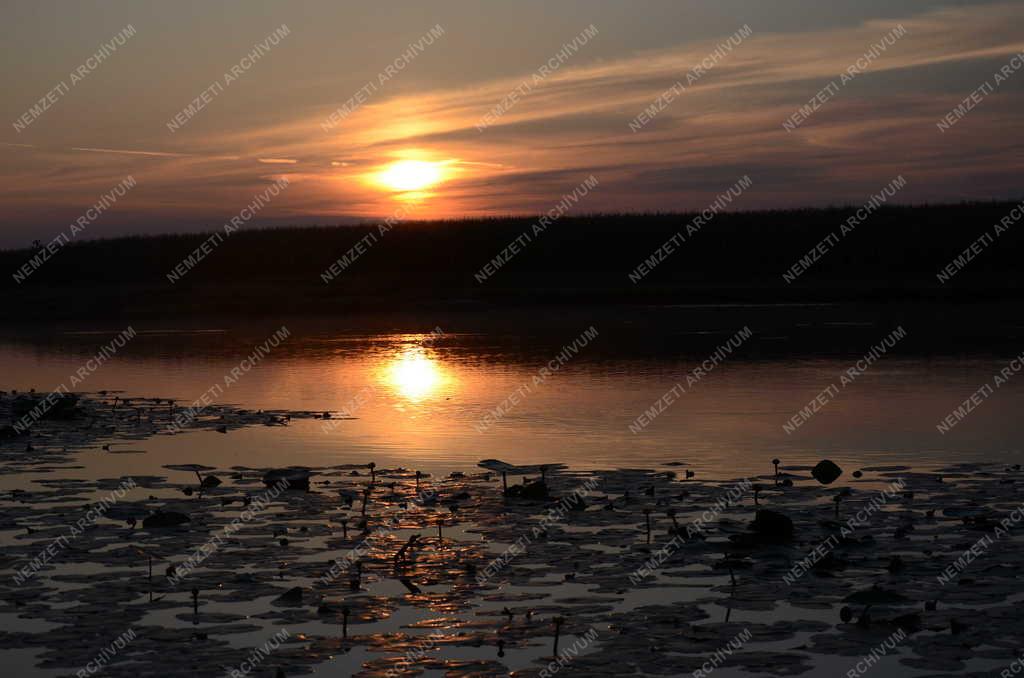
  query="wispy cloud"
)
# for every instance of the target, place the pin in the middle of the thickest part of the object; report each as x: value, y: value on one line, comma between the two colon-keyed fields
x: 575, y: 123
x: 158, y: 154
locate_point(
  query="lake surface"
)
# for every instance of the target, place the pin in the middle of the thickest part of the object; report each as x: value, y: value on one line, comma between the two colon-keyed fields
x: 441, y: 392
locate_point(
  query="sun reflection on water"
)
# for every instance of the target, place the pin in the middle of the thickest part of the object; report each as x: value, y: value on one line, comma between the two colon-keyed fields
x: 415, y: 374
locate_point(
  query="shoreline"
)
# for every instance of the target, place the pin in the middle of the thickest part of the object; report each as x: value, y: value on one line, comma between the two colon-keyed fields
x: 639, y: 533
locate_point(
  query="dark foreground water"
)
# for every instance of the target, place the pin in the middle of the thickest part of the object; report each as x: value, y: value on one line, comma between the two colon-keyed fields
x: 719, y: 392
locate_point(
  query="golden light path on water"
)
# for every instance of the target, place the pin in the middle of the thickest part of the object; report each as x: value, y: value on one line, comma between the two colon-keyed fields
x: 443, y: 403
x: 415, y: 375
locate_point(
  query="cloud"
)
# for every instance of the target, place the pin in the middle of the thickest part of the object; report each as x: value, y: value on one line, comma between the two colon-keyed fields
x: 157, y: 154
x: 576, y: 122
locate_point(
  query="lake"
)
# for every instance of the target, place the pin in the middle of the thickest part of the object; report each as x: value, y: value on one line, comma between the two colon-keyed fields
x: 442, y: 392
x: 718, y: 391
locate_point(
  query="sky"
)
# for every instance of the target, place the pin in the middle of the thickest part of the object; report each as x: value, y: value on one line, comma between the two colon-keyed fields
x: 266, y: 81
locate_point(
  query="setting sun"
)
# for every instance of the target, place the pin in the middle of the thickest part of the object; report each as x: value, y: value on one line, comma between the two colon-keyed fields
x: 410, y: 175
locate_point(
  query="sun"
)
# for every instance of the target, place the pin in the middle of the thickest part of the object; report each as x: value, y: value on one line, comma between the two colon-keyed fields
x: 410, y: 175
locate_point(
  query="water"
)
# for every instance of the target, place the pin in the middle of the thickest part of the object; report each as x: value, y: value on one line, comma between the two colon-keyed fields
x: 440, y: 392
x: 425, y: 392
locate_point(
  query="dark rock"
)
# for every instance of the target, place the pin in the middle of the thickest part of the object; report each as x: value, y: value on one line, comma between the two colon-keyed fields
x: 210, y: 481
x: 772, y: 525
x: 53, y: 406
x: 537, y: 490
x: 910, y: 623
x: 165, y: 519
x: 297, y: 479
x: 826, y: 472
x: 575, y: 502
x: 292, y: 596
x: 829, y: 563
x: 875, y: 596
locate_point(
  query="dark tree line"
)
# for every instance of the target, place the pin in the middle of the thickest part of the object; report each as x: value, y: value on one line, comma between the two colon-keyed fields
x: 896, y: 252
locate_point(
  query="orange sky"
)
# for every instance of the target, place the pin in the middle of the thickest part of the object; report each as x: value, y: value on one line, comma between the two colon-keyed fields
x: 273, y: 118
